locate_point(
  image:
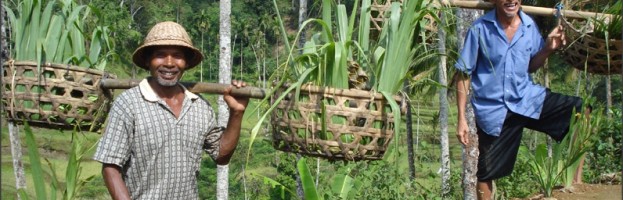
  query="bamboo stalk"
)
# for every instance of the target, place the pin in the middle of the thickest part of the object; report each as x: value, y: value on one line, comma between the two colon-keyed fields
x: 200, y: 87
x: 530, y: 10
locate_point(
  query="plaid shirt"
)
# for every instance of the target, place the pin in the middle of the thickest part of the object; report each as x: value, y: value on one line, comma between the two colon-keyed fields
x: 159, y: 155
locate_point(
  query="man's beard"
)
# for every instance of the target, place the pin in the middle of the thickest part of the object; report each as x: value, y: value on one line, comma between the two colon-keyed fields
x: 167, y: 83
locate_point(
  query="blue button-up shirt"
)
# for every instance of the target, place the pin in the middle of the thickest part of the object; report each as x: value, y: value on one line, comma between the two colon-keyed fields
x: 499, y: 71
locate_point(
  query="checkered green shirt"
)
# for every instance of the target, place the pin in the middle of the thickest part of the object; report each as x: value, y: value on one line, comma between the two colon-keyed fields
x: 159, y: 155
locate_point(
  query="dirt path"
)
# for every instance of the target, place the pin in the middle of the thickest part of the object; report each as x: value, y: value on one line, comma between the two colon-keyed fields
x: 591, y: 192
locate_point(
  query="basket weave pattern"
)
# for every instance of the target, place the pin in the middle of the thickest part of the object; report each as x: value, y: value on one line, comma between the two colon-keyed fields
x: 591, y: 52
x: 380, y: 10
x: 359, y: 124
x: 61, y: 96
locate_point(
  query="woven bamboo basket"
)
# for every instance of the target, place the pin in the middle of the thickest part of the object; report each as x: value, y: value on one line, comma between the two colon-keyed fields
x: 379, y: 9
x: 586, y: 51
x: 58, y: 96
x: 590, y: 53
x: 359, y: 124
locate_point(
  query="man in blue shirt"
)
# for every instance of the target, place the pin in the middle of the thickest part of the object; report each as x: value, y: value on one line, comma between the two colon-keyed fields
x: 501, y: 49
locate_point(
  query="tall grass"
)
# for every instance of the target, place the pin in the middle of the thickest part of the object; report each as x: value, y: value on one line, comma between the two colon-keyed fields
x: 57, y: 34
x: 612, y: 26
x: 72, y: 185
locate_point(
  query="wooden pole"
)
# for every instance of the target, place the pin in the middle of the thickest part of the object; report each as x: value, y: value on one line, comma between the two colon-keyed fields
x: 530, y: 10
x: 200, y: 87
x: 251, y: 92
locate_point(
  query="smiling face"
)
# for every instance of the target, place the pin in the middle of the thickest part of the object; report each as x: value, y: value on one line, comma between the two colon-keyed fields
x: 167, y: 64
x: 507, y: 8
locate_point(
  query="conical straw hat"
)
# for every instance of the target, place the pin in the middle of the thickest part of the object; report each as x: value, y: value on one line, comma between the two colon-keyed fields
x: 167, y: 34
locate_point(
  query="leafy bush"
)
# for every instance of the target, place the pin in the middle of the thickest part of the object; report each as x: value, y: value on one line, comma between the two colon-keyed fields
x: 519, y: 183
x: 605, y: 156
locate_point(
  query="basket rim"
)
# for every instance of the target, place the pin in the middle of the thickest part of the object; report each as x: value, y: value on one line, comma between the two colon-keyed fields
x: 57, y: 66
x: 357, y: 93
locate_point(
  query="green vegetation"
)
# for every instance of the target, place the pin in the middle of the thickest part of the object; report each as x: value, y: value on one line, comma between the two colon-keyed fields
x: 614, y: 26
x: 56, y: 34
x: 603, y: 157
x: 71, y: 184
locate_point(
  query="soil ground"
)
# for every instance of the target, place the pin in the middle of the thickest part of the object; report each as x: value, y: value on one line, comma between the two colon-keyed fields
x: 587, y: 192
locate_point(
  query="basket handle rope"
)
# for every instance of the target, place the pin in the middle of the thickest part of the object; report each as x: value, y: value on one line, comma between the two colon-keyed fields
x: 559, y: 6
x: 68, y: 76
x: 561, y: 19
x: 12, y: 103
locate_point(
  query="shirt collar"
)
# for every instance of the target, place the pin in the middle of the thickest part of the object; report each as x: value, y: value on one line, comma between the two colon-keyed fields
x: 149, y: 94
x: 525, y: 19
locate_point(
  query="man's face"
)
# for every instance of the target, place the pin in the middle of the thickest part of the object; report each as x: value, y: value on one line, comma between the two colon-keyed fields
x: 167, y: 64
x: 508, y: 8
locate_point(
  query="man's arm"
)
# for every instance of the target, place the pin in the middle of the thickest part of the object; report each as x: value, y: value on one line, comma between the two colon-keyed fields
x: 462, y: 89
x: 114, y: 182
x: 229, y: 139
x: 555, y: 40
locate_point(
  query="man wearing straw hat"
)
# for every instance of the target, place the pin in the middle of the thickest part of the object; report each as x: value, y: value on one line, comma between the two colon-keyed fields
x: 156, y: 132
x: 501, y: 49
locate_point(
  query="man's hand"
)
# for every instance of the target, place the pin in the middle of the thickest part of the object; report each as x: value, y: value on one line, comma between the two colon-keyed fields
x: 236, y: 103
x: 231, y: 135
x: 556, y: 38
x: 462, y: 132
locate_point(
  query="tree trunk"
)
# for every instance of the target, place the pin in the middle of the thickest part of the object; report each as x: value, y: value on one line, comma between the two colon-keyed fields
x: 410, y: 152
x: 546, y: 84
x: 301, y: 43
x: 608, y: 96
x: 299, y: 183
x: 222, y: 183
x: 16, y: 146
x: 16, y: 153
x: 470, y: 156
x: 302, y: 18
x: 443, y: 111
x: 470, y: 151
x: 201, y: 65
x: 134, y: 9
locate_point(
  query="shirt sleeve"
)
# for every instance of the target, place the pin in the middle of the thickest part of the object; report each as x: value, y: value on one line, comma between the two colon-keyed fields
x: 469, y: 54
x: 212, y: 138
x: 212, y: 144
x: 114, y: 146
x: 539, y: 41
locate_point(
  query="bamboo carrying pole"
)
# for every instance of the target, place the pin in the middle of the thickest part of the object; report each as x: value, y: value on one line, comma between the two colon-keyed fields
x: 200, y: 87
x: 530, y: 10
x: 251, y: 92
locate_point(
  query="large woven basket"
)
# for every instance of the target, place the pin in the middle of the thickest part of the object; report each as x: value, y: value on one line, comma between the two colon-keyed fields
x: 359, y: 124
x: 58, y: 96
x: 591, y: 54
x: 380, y: 9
